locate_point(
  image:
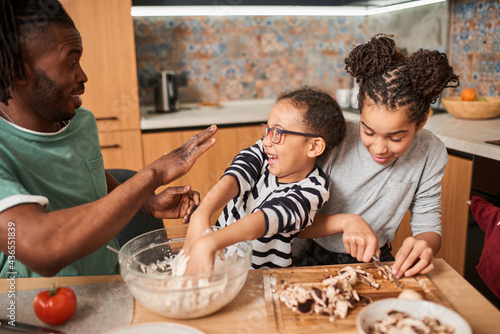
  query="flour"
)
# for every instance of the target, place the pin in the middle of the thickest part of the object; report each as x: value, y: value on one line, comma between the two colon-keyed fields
x: 165, y: 290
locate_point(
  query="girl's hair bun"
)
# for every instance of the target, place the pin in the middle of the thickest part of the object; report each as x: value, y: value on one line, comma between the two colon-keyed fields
x: 372, y: 58
x: 430, y: 73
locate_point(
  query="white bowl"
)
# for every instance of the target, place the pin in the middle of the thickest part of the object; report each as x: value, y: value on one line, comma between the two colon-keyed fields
x: 181, y: 297
x: 415, y: 308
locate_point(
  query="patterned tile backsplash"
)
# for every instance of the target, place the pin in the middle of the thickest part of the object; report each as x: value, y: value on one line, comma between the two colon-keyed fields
x: 238, y: 58
x: 475, y: 45
x: 255, y: 57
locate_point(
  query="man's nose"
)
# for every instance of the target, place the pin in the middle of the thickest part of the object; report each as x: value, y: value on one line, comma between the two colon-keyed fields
x: 81, y: 76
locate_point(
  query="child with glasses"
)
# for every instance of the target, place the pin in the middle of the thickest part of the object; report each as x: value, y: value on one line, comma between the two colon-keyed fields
x: 272, y: 190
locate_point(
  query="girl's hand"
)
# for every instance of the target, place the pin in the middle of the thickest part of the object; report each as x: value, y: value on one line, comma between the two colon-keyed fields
x: 201, y: 257
x: 358, y: 237
x: 414, y: 257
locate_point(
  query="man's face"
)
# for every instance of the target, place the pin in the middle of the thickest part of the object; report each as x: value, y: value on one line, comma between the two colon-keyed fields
x: 55, y: 78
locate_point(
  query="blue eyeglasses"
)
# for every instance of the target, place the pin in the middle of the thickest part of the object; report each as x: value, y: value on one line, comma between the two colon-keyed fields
x: 277, y: 133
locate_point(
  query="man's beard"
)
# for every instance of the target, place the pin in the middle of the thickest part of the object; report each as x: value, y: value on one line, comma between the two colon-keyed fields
x: 48, y: 100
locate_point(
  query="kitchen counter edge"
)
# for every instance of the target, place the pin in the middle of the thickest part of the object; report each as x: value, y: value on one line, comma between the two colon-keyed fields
x: 463, y: 135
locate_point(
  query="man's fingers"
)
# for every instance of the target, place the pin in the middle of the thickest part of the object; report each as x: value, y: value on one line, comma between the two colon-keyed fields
x: 179, y: 190
x: 205, y: 134
x: 197, y: 151
x: 196, y: 198
x: 201, y: 142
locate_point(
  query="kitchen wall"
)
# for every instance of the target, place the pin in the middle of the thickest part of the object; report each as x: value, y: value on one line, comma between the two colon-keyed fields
x: 475, y: 45
x: 235, y: 58
x: 238, y: 58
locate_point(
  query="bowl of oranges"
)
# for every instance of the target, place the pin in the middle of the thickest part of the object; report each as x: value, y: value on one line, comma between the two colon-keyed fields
x: 471, y: 106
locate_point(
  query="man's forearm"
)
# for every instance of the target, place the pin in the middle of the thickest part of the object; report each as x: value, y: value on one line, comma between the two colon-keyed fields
x: 111, y: 182
x: 48, y: 241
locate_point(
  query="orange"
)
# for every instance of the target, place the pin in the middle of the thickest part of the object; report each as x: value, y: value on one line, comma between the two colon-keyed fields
x: 469, y: 94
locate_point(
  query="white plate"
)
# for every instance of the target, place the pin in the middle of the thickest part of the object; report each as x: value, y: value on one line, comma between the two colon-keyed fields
x: 156, y: 327
x: 415, y: 308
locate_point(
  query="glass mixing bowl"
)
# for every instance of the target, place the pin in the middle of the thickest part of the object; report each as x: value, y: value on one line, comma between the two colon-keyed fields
x: 181, y: 297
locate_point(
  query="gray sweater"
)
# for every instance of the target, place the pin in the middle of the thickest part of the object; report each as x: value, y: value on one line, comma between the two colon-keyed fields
x: 381, y: 195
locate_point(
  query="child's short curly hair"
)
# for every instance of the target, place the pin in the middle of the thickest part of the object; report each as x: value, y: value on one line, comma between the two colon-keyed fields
x: 322, y: 114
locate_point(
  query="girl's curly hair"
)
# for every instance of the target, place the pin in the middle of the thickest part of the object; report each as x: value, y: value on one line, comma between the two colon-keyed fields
x: 393, y: 80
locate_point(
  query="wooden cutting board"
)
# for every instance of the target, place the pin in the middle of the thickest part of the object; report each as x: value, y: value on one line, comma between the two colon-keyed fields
x: 287, y: 321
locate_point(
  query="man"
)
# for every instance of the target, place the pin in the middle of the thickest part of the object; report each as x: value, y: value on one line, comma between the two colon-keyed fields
x: 59, y: 208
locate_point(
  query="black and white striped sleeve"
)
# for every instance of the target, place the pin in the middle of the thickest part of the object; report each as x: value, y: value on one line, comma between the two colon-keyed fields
x: 294, y: 207
x: 247, y: 166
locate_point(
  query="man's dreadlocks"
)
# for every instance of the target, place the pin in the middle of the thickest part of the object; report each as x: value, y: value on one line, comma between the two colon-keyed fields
x: 20, y: 21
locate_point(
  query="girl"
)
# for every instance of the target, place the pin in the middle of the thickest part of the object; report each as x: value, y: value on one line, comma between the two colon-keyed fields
x: 386, y: 165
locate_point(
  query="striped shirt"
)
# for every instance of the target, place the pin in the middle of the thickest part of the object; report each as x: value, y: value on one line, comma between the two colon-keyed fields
x: 288, y: 207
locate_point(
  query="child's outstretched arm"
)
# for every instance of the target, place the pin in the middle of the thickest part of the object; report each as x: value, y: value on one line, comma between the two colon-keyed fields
x: 202, y: 252
x: 239, y: 177
x: 223, y: 191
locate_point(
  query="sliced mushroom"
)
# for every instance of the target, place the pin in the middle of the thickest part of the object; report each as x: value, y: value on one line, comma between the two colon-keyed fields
x: 334, y: 299
x: 401, y: 322
x: 349, y: 274
x: 306, y: 307
x: 367, y: 278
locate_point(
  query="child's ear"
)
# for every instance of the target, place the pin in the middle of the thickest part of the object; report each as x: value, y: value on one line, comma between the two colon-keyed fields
x: 421, y: 126
x: 317, y: 147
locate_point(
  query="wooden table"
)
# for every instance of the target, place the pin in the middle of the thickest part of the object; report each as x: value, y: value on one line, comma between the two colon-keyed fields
x: 247, y: 312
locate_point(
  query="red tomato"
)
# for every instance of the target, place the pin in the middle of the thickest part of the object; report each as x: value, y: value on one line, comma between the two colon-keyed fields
x: 55, y: 306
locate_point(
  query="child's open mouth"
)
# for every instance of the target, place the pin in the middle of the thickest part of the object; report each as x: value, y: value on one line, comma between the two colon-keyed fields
x: 272, y: 159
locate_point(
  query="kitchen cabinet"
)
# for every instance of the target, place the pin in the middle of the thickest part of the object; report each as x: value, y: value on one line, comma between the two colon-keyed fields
x: 456, y: 187
x: 109, y: 61
x: 211, y: 165
x: 122, y: 149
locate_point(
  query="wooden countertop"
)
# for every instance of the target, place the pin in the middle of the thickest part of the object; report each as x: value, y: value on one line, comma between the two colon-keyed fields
x: 247, y: 312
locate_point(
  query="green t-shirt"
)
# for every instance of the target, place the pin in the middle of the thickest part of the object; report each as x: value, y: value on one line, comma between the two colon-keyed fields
x: 57, y: 170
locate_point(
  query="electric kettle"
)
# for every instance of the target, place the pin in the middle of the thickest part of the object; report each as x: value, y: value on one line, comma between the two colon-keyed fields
x: 166, y: 92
